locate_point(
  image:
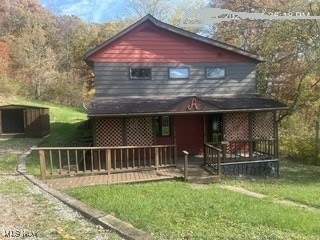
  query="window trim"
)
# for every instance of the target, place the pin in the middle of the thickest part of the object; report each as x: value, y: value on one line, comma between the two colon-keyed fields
x: 221, y: 67
x: 175, y: 68
x: 140, y: 78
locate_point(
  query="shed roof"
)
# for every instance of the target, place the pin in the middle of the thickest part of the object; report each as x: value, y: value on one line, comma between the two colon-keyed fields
x: 149, y: 18
x: 18, y: 106
x: 182, y: 105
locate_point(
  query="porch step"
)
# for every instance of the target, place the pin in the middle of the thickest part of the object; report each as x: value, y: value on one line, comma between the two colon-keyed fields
x: 203, y: 180
x: 200, y: 175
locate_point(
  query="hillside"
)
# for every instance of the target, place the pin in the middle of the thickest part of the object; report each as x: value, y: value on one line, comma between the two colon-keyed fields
x: 42, y: 54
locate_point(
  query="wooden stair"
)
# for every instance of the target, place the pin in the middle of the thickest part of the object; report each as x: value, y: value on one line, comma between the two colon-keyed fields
x: 201, y: 175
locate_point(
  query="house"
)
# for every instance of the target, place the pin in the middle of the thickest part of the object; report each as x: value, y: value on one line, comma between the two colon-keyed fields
x: 158, y: 85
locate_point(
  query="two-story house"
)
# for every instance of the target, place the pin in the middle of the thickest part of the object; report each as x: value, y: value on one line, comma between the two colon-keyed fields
x: 158, y: 85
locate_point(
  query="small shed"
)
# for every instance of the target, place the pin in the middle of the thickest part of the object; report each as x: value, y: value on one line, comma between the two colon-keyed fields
x: 22, y: 120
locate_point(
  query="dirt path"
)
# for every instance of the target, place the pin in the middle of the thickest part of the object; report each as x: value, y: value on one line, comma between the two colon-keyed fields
x: 27, y: 212
x: 261, y: 196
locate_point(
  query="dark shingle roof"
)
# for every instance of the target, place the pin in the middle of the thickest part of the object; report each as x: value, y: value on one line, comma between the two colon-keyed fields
x: 179, y: 105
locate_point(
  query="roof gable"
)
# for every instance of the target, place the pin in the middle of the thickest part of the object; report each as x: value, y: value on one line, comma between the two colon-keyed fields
x: 150, y: 40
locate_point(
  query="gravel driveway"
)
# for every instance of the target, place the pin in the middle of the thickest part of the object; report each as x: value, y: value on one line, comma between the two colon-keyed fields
x: 27, y: 212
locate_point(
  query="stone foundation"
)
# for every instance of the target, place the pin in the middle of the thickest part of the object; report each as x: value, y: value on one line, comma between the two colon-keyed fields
x: 263, y: 168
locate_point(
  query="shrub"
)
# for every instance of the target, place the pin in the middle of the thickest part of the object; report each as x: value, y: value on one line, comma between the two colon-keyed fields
x: 297, y: 139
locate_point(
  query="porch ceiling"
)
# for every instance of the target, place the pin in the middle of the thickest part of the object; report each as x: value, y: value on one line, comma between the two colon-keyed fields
x: 182, y: 105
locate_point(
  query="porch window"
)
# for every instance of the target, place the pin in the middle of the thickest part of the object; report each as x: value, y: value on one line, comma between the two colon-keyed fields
x: 162, y: 126
x: 140, y: 73
x: 215, y: 72
x: 179, y: 73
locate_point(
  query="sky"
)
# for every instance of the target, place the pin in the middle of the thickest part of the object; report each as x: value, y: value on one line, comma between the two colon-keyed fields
x: 97, y: 11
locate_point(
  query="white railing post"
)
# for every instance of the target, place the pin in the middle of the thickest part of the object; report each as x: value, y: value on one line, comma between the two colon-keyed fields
x: 186, y: 165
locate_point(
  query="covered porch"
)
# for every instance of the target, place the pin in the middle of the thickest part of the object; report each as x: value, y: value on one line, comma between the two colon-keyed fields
x: 223, y: 135
x: 240, y: 130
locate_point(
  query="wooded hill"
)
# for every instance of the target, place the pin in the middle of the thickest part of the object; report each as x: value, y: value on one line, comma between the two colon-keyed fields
x: 42, y: 54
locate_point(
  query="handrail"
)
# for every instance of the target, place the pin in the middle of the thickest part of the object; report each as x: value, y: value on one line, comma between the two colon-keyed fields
x: 59, y: 161
x: 213, y: 147
x: 98, y: 148
x: 212, y: 157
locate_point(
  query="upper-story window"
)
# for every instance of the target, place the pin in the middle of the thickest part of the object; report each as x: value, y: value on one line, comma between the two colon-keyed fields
x: 215, y: 72
x: 181, y: 72
x: 140, y: 73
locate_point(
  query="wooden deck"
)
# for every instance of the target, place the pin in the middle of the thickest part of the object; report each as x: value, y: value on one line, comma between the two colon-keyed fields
x: 196, y: 174
x: 124, y: 177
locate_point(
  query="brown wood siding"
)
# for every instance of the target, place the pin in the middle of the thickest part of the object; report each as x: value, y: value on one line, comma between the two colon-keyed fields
x: 36, y: 120
x: 112, y: 80
x: 152, y: 44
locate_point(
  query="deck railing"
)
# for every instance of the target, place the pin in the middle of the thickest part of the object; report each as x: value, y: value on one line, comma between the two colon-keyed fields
x: 212, y: 157
x: 238, y: 151
x: 245, y: 150
x: 65, y: 161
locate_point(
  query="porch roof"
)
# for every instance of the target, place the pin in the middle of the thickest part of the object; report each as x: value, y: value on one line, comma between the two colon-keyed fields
x: 182, y: 105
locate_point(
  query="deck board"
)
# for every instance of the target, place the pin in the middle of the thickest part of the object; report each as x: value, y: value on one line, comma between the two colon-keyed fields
x: 115, y: 178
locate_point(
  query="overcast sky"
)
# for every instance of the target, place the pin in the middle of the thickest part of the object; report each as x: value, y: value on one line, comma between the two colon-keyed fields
x: 90, y: 10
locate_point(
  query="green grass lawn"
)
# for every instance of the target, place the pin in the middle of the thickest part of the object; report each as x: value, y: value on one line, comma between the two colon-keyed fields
x: 179, y: 210
x: 297, y: 182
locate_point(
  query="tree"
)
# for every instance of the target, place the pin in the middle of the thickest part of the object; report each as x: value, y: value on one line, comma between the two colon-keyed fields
x: 32, y: 58
x: 291, y: 67
x: 169, y: 11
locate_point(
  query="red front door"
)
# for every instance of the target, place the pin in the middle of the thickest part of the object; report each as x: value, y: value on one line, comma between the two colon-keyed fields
x: 189, y: 133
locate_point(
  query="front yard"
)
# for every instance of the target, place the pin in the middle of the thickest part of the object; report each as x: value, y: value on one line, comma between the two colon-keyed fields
x: 179, y: 210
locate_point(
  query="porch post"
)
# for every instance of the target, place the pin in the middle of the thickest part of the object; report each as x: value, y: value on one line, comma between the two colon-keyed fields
x: 43, y: 170
x: 276, y: 137
x: 204, y: 154
x: 224, y: 150
x: 219, y: 164
x: 186, y: 165
x: 250, y: 135
x: 108, y: 156
x: 156, y: 158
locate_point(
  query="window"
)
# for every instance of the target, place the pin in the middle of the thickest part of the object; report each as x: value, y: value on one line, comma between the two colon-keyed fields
x: 162, y: 126
x: 216, y: 72
x: 140, y: 73
x: 179, y: 72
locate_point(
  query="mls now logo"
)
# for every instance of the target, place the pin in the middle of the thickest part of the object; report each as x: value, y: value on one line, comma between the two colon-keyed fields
x: 19, y: 234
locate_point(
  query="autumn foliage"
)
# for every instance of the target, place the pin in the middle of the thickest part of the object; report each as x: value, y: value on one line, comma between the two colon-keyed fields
x: 4, y: 57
